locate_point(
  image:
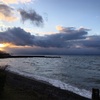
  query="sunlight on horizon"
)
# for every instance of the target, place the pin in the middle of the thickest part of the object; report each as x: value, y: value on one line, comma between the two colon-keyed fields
x: 4, y: 45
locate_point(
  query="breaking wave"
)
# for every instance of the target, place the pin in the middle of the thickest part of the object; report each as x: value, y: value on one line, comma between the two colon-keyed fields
x: 56, y: 83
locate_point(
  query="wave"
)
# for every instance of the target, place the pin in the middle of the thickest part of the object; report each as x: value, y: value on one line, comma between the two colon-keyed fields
x: 56, y: 83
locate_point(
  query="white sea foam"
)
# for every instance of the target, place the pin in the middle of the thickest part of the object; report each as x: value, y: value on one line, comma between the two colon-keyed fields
x: 56, y: 83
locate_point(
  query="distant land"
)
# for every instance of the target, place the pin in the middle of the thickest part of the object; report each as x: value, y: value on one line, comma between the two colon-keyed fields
x: 7, y: 55
x: 4, y: 54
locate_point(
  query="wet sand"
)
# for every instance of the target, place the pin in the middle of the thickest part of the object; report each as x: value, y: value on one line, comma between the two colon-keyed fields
x: 18, y: 87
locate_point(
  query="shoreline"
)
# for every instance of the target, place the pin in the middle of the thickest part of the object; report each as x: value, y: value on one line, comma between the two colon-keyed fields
x: 42, y: 88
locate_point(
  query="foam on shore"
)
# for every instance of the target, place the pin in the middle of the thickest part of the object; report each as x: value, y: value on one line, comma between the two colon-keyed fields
x: 56, y: 83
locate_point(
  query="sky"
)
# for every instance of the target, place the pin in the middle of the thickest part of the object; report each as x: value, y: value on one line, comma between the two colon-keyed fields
x: 55, y: 27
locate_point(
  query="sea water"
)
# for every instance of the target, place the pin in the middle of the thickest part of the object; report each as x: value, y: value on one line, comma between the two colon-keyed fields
x: 78, y: 74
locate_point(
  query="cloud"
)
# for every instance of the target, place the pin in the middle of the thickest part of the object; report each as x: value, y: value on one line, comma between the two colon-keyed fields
x: 60, y: 40
x: 73, y: 41
x: 16, y: 36
x: 7, y: 13
x: 70, y: 29
x: 64, y: 29
x: 91, y: 41
x: 6, y: 10
x: 34, y: 50
x: 15, y: 1
x: 21, y: 50
x: 71, y: 33
x: 32, y: 16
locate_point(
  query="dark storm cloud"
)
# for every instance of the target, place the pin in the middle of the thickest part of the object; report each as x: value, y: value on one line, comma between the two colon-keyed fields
x: 62, y: 39
x: 51, y: 51
x: 32, y: 16
x: 37, y: 51
x: 71, y: 33
x: 6, y: 10
x: 17, y: 36
x: 20, y: 37
x: 69, y: 42
x: 91, y: 41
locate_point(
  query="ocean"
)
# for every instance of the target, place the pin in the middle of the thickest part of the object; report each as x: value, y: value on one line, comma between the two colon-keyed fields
x: 78, y: 74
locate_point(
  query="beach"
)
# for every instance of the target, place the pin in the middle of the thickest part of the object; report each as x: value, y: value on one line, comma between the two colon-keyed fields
x: 18, y: 87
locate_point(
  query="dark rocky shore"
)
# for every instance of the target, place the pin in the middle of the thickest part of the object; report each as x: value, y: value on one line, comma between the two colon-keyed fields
x: 18, y: 87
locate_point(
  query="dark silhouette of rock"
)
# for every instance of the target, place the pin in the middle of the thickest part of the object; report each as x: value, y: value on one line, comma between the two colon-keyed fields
x: 4, y: 54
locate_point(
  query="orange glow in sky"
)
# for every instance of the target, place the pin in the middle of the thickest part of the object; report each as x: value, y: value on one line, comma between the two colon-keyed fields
x: 4, y: 45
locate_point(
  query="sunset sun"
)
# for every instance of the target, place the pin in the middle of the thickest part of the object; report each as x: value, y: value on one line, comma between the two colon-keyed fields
x: 2, y: 45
